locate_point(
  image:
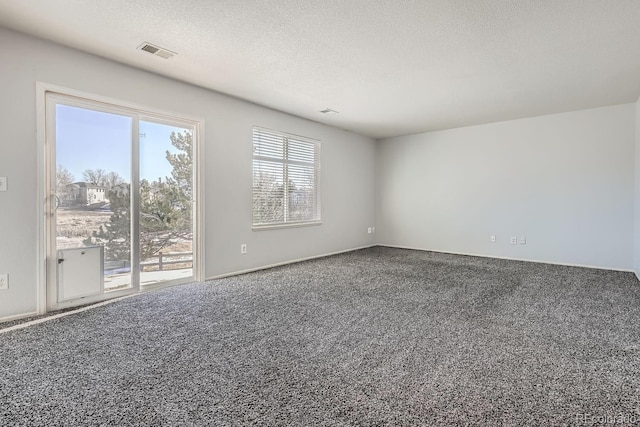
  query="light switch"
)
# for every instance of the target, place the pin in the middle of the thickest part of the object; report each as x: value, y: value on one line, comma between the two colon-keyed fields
x: 3, y: 183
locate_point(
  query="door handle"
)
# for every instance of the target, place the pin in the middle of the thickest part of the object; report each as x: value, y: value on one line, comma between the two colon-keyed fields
x: 60, y: 260
x: 54, y: 204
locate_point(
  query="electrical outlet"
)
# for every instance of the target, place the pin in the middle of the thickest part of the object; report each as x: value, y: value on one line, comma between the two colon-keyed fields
x: 4, y: 281
x: 514, y: 240
x: 243, y: 248
x: 493, y: 239
x: 369, y: 230
x: 3, y: 183
x: 373, y: 229
x: 523, y: 240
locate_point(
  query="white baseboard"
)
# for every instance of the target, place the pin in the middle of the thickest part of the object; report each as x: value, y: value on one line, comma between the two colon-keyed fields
x: 510, y: 258
x: 265, y: 267
x: 18, y: 316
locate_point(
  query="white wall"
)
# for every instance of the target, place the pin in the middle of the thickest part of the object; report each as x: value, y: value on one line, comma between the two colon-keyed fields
x: 348, y: 165
x: 636, y: 233
x: 565, y: 181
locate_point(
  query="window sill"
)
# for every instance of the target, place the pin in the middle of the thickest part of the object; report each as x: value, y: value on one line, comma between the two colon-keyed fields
x: 287, y: 225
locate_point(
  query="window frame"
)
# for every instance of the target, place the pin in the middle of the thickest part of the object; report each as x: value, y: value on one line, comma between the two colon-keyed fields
x: 286, y: 162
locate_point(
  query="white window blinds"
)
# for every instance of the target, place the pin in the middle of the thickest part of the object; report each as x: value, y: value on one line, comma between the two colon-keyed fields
x: 286, y: 178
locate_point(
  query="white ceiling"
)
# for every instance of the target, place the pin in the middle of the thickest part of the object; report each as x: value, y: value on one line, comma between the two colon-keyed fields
x: 389, y: 67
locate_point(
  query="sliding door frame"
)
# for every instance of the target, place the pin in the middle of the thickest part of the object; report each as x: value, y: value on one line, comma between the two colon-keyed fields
x: 73, y: 97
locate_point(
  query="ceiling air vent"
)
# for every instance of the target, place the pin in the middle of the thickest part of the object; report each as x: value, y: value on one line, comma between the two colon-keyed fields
x: 328, y: 111
x: 157, y: 51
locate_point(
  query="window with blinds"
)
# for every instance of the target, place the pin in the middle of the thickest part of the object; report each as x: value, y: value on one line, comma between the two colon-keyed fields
x: 286, y: 179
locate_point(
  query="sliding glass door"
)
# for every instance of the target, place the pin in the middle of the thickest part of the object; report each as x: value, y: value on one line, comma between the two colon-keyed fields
x: 121, y: 210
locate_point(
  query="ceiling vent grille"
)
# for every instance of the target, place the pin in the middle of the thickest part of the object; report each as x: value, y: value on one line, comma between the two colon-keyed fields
x: 156, y: 50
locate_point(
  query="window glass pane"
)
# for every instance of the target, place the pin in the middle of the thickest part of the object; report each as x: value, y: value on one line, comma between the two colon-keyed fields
x: 301, y: 193
x: 268, y: 192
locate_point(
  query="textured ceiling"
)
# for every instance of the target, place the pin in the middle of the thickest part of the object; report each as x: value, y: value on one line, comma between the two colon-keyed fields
x: 389, y: 67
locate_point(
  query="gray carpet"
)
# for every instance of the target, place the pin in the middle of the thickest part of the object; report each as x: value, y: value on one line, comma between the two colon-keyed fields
x: 377, y: 337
